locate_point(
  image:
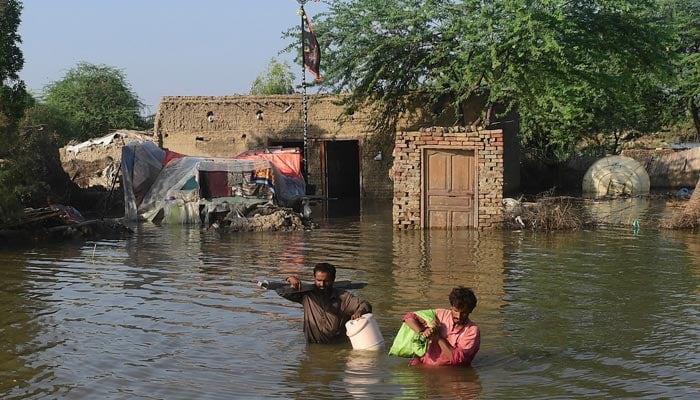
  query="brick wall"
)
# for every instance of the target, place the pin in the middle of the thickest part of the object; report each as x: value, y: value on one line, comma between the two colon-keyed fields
x: 488, y: 148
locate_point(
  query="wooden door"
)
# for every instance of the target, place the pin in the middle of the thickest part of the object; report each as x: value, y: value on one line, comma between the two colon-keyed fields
x: 449, y: 178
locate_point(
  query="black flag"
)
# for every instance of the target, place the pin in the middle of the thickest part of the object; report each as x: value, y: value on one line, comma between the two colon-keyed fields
x: 312, y: 53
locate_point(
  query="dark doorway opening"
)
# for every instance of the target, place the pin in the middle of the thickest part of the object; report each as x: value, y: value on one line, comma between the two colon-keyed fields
x: 342, y: 176
x: 343, y: 169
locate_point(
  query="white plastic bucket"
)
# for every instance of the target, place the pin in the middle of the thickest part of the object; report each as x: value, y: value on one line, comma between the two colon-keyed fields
x: 364, y: 333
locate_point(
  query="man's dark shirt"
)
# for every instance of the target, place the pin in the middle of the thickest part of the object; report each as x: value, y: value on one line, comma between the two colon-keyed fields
x: 325, y: 317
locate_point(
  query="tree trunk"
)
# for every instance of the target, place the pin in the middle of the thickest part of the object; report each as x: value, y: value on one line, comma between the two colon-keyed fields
x: 694, y: 202
x: 691, y: 213
x: 689, y: 217
x: 696, y: 118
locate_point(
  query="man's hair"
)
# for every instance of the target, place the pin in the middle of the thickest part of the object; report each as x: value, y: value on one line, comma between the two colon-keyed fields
x: 325, y: 267
x: 463, y: 299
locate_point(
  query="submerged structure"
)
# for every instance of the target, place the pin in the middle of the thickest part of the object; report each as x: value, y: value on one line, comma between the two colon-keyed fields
x: 616, y: 176
x: 163, y: 186
x: 439, y: 175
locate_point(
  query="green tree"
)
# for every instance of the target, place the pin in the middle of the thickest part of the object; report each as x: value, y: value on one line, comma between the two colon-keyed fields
x: 683, y: 16
x: 277, y: 79
x: 13, y: 100
x: 571, y: 68
x: 40, y: 117
x: 94, y: 99
x: 13, y: 95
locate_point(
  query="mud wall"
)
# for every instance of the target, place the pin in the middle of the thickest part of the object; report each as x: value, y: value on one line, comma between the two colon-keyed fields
x: 229, y: 125
x: 668, y: 168
x: 97, y: 164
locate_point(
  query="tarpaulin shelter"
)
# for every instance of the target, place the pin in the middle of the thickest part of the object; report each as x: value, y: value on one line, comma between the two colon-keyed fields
x: 164, y: 186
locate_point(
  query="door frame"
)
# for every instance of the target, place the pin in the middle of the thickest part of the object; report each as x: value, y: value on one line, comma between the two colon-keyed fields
x: 423, y: 183
x: 324, y: 166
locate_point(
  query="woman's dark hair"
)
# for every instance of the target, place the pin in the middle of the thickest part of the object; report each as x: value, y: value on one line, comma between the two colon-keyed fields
x: 325, y: 267
x: 463, y: 299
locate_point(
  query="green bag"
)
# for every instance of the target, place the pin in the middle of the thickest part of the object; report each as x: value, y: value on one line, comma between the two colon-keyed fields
x: 407, y: 342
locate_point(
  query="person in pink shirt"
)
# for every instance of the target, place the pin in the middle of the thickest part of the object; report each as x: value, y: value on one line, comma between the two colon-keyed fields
x: 453, y: 339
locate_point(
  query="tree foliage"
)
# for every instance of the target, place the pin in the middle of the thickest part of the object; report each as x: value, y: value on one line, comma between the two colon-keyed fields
x: 94, y: 99
x: 13, y: 95
x: 44, y: 118
x: 683, y: 17
x: 13, y: 100
x: 571, y: 68
x: 277, y: 79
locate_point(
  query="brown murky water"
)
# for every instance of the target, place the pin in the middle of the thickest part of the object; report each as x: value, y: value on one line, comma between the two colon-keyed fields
x: 173, y: 313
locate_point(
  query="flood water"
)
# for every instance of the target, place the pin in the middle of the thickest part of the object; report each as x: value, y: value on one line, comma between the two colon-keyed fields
x: 174, y: 313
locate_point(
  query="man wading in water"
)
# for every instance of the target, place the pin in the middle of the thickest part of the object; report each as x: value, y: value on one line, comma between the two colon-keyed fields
x: 455, y: 339
x: 326, y: 309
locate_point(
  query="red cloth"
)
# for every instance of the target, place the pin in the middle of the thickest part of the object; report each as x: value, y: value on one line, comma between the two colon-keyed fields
x: 171, y: 155
x: 289, y: 164
x: 216, y: 184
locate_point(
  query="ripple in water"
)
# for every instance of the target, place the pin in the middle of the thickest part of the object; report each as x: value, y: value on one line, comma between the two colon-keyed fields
x: 175, y: 313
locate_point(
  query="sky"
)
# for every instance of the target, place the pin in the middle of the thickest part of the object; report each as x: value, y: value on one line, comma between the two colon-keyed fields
x: 164, y: 47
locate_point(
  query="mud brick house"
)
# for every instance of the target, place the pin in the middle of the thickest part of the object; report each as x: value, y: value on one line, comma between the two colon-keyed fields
x: 344, y: 160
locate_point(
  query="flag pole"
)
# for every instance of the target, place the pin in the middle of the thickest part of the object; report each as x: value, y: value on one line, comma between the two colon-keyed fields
x: 305, y: 112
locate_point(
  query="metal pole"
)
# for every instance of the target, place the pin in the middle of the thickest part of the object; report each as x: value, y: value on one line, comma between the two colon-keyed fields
x: 303, y: 97
x: 304, y: 102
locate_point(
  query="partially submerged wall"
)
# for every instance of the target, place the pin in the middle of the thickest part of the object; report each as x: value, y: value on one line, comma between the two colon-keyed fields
x: 668, y: 168
x: 229, y: 125
x: 408, y: 192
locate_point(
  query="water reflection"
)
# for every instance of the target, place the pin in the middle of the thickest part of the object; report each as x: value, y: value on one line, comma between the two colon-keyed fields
x: 429, y: 264
x: 22, y: 319
x: 607, y: 305
x: 323, y: 210
x: 174, y: 312
x: 692, y: 246
x: 438, y: 383
x: 362, y: 372
x: 622, y: 211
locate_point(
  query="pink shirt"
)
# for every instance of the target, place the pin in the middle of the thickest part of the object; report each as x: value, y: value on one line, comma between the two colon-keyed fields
x: 465, y: 342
